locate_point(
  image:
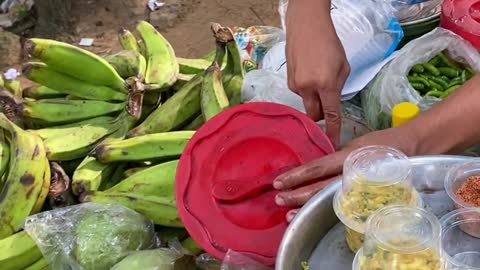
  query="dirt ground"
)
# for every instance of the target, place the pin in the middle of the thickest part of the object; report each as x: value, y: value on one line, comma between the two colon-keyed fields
x: 185, y: 23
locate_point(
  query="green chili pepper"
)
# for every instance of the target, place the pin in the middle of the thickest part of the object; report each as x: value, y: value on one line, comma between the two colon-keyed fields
x: 418, y: 79
x: 449, y: 72
x: 445, y: 78
x: 418, y: 86
x: 436, y: 85
x: 431, y: 68
x: 435, y: 61
x: 418, y: 68
x: 447, y: 62
x: 454, y: 83
x: 439, y: 80
x: 450, y: 90
x: 434, y: 93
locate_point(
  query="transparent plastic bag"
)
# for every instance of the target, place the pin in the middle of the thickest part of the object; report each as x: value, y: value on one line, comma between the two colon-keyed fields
x: 90, y: 236
x: 391, y: 85
x: 156, y: 259
x: 232, y: 261
x: 254, y: 42
x: 369, y: 34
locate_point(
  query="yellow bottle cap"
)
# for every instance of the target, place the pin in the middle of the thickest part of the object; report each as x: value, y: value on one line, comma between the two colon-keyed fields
x: 403, y: 112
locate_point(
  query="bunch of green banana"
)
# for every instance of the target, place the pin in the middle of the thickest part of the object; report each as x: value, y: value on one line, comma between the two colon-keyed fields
x: 213, y: 97
x: 162, y: 66
x: 47, y: 76
x: 149, y: 191
x: 18, y: 251
x: 143, y: 148
x: 41, y: 92
x: 91, y: 173
x: 75, y: 62
x: 128, y: 63
x: 23, y: 189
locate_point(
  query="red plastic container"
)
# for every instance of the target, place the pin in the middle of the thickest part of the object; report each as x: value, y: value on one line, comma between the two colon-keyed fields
x: 463, y: 18
x: 224, y: 179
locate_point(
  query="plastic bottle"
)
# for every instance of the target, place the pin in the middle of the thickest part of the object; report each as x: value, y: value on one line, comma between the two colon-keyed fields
x: 403, y: 112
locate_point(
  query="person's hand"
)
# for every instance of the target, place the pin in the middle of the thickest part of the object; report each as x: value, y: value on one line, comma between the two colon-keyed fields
x: 300, y: 184
x: 316, y: 63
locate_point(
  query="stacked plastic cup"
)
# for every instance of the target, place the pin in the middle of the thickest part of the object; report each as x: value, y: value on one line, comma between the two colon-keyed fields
x: 461, y: 239
x: 373, y: 177
x: 401, y: 237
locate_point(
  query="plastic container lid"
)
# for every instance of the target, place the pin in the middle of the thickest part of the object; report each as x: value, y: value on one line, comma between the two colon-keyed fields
x: 461, y: 239
x: 463, y: 18
x: 224, y: 179
x: 403, y: 112
x: 402, y: 229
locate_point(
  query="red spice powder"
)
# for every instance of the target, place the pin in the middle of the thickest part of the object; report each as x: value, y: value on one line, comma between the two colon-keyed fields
x: 469, y: 192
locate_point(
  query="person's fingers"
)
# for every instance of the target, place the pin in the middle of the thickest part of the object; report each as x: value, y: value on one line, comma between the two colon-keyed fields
x: 312, y: 104
x: 332, y: 114
x: 316, y: 169
x: 300, y: 196
x: 291, y: 214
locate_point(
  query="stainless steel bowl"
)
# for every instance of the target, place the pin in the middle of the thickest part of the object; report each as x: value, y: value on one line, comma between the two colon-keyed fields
x: 316, y: 235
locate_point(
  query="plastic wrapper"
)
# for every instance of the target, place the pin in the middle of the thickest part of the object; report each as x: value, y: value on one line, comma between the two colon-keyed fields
x: 233, y: 261
x: 254, y: 42
x: 369, y: 34
x: 156, y: 259
x: 90, y: 236
x: 391, y: 85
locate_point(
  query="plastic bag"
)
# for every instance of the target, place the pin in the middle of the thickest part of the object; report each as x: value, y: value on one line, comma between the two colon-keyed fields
x: 254, y: 42
x: 156, y: 259
x: 232, y: 261
x: 391, y: 85
x: 369, y: 33
x: 90, y: 236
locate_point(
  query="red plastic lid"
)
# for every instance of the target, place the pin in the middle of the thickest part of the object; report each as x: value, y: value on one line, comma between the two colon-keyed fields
x: 224, y: 179
x: 463, y: 18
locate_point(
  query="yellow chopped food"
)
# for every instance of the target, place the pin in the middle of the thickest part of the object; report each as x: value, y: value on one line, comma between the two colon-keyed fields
x: 365, y: 198
x: 382, y: 259
x: 354, y: 239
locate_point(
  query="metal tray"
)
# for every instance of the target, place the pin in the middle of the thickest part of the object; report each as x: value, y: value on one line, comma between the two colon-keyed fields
x: 316, y: 235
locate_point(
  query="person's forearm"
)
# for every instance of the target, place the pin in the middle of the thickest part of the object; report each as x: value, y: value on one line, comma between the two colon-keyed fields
x: 306, y: 10
x: 451, y: 126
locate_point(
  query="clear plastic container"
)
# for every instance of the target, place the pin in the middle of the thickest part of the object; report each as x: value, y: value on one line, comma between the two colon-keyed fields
x: 461, y: 239
x: 401, y: 237
x: 373, y: 177
x: 455, y: 178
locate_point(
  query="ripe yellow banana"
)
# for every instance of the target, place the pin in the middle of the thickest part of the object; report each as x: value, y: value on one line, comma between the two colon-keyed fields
x: 177, y: 111
x: 158, y: 180
x: 41, y: 264
x: 162, y: 67
x: 18, y: 251
x: 74, y: 141
x: 41, y: 92
x: 192, y: 66
x: 45, y: 189
x: 196, y: 123
x: 162, y: 211
x: 128, y: 63
x: 25, y: 177
x: 57, y: 111
x: 128, y: 40
x: 143, y: 148
x: 45, y: 75
x: 76, y: 62
x: 213, y: 97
